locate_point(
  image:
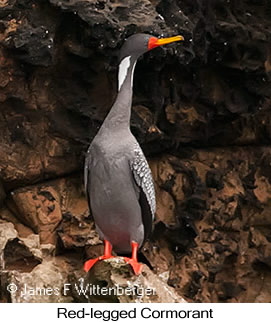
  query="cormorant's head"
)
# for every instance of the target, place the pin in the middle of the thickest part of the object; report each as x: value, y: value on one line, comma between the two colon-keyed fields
x: 138, y: 44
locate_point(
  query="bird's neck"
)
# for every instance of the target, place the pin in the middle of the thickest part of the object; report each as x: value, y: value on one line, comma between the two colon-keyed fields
x: 120, y: 113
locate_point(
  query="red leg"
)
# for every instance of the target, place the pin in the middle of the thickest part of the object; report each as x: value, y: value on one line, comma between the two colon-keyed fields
x: 137, y: 267
x: 107, y: 250
x: 107, y: 254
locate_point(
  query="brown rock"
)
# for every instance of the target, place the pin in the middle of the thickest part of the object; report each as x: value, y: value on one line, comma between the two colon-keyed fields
x: 18, y: 253
x: 44, y: 284
x: 7, y: 233
x: 23, y: 230
x: 77, y: 228
x: 2, y: 193
x: 165, y: 209
x: 39, y: 208
x: 116, y: 274
x: 43, y: 207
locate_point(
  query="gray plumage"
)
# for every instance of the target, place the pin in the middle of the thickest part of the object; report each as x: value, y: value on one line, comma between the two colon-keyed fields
x: 118, y: 179
x: 120, y: 191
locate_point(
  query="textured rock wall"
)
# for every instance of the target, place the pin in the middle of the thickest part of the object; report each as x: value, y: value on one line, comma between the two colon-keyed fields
x: 201, y: 112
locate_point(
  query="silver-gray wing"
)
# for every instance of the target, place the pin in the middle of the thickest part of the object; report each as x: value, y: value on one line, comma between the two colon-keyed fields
x: 143, y: 178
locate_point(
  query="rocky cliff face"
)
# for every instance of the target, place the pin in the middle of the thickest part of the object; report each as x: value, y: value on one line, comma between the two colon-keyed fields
x: 201, y: 112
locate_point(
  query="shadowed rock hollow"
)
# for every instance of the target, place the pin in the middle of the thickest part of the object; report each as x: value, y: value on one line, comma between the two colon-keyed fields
x: 201, y: 111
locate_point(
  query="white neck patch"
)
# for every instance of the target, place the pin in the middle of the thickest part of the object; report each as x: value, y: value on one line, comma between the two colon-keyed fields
x: 123, y: 70
x: 133, y: 69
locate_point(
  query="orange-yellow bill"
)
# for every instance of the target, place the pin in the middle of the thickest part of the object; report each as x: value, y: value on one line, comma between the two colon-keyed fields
x: 155, y: 42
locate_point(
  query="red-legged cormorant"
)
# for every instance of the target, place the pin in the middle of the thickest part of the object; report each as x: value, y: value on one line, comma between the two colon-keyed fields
x: 118, y: 179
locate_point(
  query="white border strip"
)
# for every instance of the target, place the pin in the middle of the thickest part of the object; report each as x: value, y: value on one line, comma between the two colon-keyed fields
x: 218, y: 313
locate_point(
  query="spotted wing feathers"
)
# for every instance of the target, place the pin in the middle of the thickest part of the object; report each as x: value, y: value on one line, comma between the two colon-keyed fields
x: 143, y: 177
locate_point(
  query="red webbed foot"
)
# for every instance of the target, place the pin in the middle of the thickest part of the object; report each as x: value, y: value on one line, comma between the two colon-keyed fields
x: 90, y: 263
x: 137, y: 267
x: 107, y: 254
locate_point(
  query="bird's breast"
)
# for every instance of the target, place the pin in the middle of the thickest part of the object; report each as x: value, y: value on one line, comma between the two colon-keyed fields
x: 112, y: 185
